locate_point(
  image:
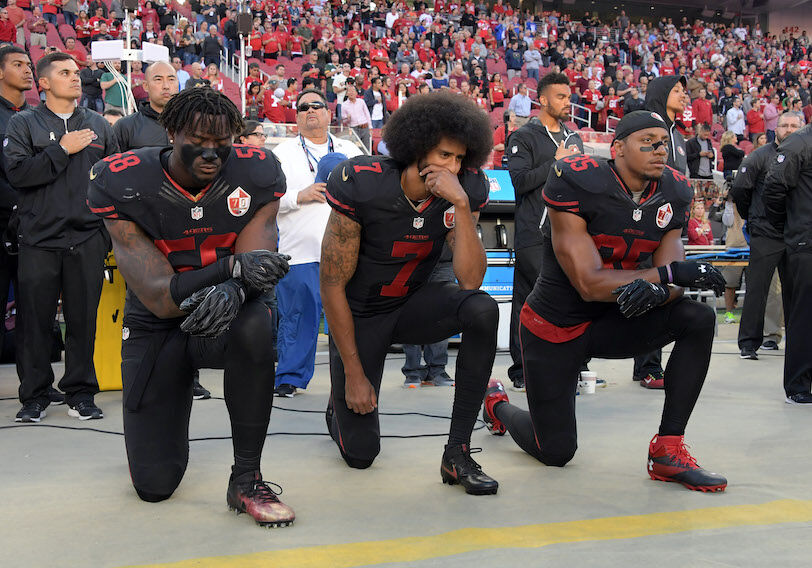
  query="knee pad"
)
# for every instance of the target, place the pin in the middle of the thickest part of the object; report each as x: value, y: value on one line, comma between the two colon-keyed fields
x: 359, y: 450
x: 479, y: 311
x: 556, y: 460
x: 151, y: 497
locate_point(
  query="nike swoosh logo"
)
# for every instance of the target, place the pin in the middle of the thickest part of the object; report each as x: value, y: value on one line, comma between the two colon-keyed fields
x: 92, y: 174
x: 344, y: 175
x: 452, y: 472
x: 557, y: 171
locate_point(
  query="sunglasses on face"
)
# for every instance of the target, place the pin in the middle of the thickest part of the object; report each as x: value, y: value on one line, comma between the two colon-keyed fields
x: 259, y: 133
x: 315, y: 105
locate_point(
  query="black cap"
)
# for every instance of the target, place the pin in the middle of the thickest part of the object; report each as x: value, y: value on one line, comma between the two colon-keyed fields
x: 638, y: 120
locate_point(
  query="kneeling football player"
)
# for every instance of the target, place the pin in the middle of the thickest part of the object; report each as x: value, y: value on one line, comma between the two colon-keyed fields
x: 605, y: 217
x: 192, y: 225
x: 390, y: 219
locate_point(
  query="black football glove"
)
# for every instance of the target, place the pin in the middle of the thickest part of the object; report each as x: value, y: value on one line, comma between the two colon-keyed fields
x: 260, y: 269
x: 693, y: 274
x: 212, y: 309
x: 638, y: 297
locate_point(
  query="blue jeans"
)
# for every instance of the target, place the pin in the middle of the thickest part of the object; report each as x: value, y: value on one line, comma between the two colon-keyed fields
x: 93, y: 103
x: 299, y: 304
x: 533, y: 74
x: 50, y: 18
x: 70, y: 18
x: 377, y: 124
x: 434, y: 354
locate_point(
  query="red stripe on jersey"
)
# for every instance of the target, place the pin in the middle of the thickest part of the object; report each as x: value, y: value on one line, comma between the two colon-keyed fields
x: 337, y: 202
x: 425, y: 204
x: 558, y: 203
x: 102, y: 209
x: 186, y: 194
x: 547, y: 331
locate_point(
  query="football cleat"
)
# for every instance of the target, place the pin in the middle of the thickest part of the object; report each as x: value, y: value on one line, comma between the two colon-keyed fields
x: 248, y: 493
x: 652, y: 381
x: 458, y: 467
x: 669, y: 460
x: 495, y: 393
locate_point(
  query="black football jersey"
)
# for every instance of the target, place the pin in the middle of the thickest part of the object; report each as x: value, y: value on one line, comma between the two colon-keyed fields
x: 625, y: 233
x: 192, y: 231
x: 400, y: 241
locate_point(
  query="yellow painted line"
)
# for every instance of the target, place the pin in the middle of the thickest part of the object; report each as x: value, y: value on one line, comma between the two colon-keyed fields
x: 414, y: 549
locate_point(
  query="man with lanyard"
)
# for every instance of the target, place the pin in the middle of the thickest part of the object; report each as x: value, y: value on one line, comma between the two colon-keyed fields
x: 303, y: 213
x: 531, y: 151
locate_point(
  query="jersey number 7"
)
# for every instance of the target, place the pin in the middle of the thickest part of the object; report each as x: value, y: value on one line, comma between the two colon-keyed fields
x: 400, y: 249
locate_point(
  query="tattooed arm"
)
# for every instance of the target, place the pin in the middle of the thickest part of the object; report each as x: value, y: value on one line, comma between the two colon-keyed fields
x: 339, y: 258
x: 260, y: 232
x: 144, y: 268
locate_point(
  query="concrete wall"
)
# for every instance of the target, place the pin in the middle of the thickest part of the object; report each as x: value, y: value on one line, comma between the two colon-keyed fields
x: 801, y: 17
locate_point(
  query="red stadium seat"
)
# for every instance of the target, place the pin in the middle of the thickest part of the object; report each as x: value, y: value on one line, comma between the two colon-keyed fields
x: 746, y: 145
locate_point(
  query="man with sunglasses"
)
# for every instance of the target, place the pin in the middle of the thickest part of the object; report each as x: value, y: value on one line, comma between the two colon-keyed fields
x: 303, y: 213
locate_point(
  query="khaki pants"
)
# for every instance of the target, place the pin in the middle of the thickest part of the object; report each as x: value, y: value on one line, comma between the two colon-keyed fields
x: 521, y: 121
x: 774, y: 312
x: 38, y: 39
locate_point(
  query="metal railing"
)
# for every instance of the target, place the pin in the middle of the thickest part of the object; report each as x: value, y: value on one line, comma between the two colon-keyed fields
x: 576, y: 118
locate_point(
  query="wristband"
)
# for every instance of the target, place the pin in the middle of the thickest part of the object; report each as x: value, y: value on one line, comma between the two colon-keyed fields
x: 666, y: 275
x: 184, y: 284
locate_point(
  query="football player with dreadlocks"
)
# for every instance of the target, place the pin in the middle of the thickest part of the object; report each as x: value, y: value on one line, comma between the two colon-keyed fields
x: 192, y: 226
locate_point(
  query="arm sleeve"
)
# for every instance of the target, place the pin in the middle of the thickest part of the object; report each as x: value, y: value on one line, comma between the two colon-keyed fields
x: 743, y: 185
x: 781, y: 178
x: 728, y: 215
x: 527, y: 172
x: 341, y: 192
x: 24, y: 168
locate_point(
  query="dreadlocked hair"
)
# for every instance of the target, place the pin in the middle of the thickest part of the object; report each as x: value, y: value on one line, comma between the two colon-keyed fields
x: 201, y: 108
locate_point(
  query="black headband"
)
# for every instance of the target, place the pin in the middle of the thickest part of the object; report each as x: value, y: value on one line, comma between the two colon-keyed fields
x: 638, y: 120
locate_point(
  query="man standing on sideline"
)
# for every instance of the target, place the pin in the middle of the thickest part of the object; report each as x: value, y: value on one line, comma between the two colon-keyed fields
x: 788, y: 200
x: 767, y: 249
x: 48, y: 153
x: 303, y: 214
x: 16, y: 77
x: 666, y: 97
x: 531, y: 151
x: 142, y: 128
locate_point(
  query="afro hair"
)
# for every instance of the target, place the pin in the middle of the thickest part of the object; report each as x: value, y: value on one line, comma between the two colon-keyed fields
x: 418, y: 126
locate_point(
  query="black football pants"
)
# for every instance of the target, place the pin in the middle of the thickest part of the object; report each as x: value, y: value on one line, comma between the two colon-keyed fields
x: 75, y: 273
x: 435, y: 312
x: 157, y: 371
x: 765, y: 256
x: 798, y: 358
x: 548, y: 430
x: 525, y: 272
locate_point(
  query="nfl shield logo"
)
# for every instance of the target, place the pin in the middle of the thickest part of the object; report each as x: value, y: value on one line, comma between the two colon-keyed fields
x: 664, y: 214
x: 238, y: 202
x: 637, y: 214
x: 417, y: 222
x: 197, y: 213
x: 779, y: 158
x: 448, y: 218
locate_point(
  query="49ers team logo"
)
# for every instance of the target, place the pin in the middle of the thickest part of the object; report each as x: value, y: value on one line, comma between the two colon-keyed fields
x: 238, y: 202
x: 448, y: 218
x: 664, y: 214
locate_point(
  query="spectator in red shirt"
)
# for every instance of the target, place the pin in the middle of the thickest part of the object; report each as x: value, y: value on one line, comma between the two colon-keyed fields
x: 699, y: 229
x: 70, y: 49
x: 83, y: 28
x: 274, y: 109
x: 755, y: 120
x: 8, y: 31
x: 497, y: 91
x: 702, y: 110
x: 500, y: 136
